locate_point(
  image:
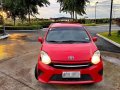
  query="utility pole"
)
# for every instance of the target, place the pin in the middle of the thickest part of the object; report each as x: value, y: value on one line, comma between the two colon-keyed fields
x: 110, y: 18
x: 95, y: 11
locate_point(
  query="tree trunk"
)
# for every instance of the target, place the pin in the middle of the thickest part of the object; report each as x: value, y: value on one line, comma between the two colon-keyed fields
x: 76, y: 16
x: 73, y: 15
x: 29, y: 13
x: 22, y: 21
x: 14, y: 19
x: 29, y: 17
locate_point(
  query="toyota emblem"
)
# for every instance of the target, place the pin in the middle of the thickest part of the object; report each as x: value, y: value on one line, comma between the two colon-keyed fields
x: 70, y: 57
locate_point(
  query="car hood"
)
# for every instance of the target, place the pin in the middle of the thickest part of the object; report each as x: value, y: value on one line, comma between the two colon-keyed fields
x: 70, y: 52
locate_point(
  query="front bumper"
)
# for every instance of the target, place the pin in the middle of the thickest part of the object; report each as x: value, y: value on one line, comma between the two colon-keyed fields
x: 48, y: 74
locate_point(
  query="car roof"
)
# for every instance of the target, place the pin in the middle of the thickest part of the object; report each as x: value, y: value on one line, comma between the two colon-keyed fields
x: 65, y: 25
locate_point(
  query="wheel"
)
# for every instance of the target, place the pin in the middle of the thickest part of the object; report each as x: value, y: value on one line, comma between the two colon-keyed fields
x: 36, y: 75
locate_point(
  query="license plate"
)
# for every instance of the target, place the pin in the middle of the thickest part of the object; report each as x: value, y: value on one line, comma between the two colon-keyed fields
x: 71, y: 75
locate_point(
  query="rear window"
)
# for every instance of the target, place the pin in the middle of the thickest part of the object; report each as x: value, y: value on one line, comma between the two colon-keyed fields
x: 68, y: 35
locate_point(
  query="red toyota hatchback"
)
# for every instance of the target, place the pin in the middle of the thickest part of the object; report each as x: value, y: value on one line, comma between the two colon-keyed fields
x: 68, y: 55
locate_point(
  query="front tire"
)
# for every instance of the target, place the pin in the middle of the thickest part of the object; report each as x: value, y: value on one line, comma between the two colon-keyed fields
x: 36, y: 74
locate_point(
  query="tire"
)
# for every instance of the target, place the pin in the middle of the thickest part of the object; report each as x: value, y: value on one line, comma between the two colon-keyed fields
x: 36, y: 75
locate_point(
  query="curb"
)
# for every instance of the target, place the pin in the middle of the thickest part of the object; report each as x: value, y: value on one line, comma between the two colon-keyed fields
x: 112, y: 42
x: 4, y: 36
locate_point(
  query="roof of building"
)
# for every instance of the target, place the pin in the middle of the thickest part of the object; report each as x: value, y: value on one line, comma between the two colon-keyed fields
x: 61, y: 18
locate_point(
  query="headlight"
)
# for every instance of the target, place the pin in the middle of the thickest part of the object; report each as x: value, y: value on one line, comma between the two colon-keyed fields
x: 96, y: 57
x: 45, y: 58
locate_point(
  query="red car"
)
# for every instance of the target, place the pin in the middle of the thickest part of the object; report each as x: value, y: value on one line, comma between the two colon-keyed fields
x: 68, y: 55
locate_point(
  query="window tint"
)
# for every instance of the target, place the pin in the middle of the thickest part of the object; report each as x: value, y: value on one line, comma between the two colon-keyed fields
x: 67, y: 35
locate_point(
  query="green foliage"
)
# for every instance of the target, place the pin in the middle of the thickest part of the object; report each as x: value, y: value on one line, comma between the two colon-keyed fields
x: 89, y: 21
x: 1, y: 32
x: 45, y: 24
x: 117, y: 21
x: 1, y: 20
x: 16, y: 8
x: 118, y: 33
x: 105, y: 20
x: 73, y: 6
x: 21, y: 8
x: 31, y: 6
x: 35, y: 24
x: 92, y: 24
x: 23, y: 27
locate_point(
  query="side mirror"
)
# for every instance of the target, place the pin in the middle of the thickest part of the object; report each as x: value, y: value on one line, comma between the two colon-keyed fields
x: 40, y: 39
x: 94, y: 39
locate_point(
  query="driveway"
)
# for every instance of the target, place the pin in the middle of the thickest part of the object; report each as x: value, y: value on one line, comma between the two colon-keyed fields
x: 18, y: 57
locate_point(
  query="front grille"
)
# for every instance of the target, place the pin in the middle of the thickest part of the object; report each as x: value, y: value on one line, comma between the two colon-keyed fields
x: 71, y: 66
x: 58, y: 77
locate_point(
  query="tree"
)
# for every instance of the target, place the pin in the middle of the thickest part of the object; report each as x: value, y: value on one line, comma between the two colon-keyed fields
x: 22, y: 8
x: 1, y: 20
x: 12, y: 7
x: 117, y: 21
x: 73, y: 7
x: 16, y: 8
x: 32, y: 6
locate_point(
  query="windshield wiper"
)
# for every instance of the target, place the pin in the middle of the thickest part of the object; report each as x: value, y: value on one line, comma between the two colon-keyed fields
x: 54, y: 41
x: 68, y: 41
x: 72, y: 41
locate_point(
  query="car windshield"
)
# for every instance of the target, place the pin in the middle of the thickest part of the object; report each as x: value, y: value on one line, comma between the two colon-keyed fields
x: 68, y: 35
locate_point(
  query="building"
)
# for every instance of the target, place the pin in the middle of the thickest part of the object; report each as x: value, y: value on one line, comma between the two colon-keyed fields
x: 61, y: 19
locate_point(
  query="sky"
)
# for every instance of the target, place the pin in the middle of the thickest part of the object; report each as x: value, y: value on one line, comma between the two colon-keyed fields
x: 103, y: 10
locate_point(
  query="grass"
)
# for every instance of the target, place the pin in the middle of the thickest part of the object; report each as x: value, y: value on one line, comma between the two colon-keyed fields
x: 114, y: 36
x: 92, y: 24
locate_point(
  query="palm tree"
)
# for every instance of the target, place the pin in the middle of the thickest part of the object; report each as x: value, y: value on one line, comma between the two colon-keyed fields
x: 32, y: 6
x: 73, y: 7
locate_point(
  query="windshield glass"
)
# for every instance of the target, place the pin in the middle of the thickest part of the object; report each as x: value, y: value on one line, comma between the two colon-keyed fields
x: 67, y: 35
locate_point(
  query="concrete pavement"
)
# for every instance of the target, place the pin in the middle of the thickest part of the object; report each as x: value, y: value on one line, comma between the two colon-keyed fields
x: 18, y: 57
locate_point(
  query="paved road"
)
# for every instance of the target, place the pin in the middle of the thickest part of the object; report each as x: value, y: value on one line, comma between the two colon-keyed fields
x: 18, y: 57
x: 101, y: 43
x: 102, y: 28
